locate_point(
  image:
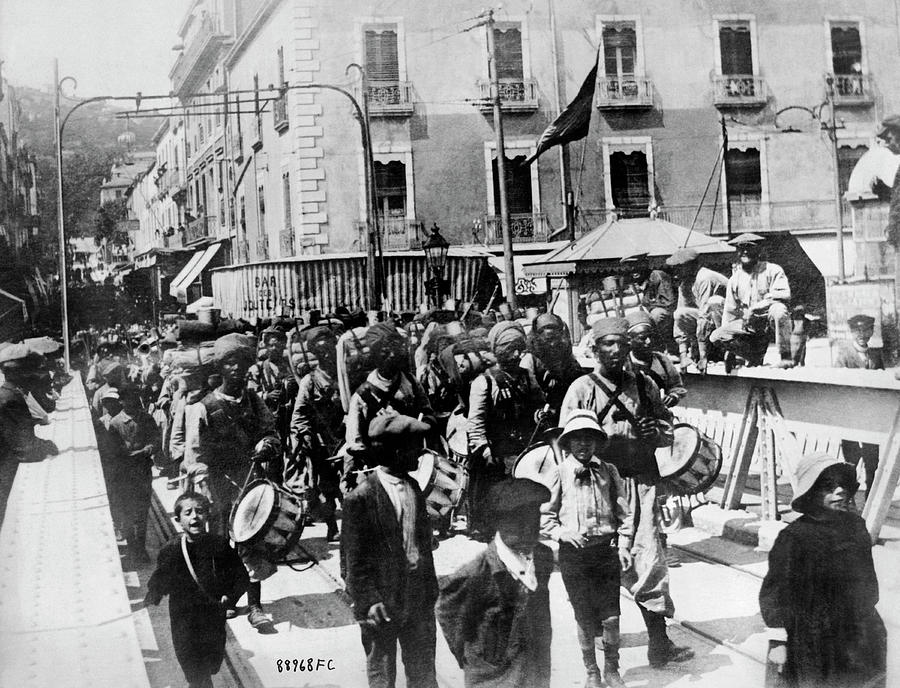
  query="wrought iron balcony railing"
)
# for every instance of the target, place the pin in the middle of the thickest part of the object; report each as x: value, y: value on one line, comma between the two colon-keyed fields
x: 524, y: 228
x: 739, y: 90
x: 280, y: 114
x: 200, y: 229
x: 749, y: 216
x: 286, y: 243
x: 262, y: 249
x: 516, y: 95
x: 624, y: 92
x: 390, y: 98
x: 853, y: 89
x: 397, y: 233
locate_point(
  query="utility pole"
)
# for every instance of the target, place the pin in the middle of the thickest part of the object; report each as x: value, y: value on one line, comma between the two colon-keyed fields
x: 838, y: 203
x: 724, y: 156
x: 60, y: 221
x: 508, y: 265
x: 559, y: 96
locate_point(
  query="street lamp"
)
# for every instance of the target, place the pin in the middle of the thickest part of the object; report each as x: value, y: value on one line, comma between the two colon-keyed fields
x: 436, y: 248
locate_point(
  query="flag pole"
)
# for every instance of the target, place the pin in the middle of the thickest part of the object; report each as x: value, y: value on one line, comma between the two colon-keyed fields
x: 508, y: 265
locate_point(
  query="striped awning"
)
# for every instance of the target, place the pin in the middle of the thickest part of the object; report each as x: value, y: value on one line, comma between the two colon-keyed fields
x: 291, y: 286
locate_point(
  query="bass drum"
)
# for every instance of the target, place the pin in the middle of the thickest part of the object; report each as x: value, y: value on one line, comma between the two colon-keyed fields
x: 443, y: 482
x: 267, y: 516
x: 538, y: 462
x: 692, y: 464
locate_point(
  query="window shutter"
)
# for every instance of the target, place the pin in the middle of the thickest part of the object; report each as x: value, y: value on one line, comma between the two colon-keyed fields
x: 508, y: 45
x: 382, y: 60
x: 736, y: 49
x: 518, y: 186
x: 742, y: 174
x: 286, y: 195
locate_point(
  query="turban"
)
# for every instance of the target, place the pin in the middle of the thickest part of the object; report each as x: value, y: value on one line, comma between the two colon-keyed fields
x: 109, y: 368
x: 607, y: 326
x: 506, y: 334
x: 548, y: 320
x: 637, y: 318
x: 231, y: 345
x: 382, y: 336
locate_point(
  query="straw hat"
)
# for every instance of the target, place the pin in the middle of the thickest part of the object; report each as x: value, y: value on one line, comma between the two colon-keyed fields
x: 808, y: 470
x: 581, y: 420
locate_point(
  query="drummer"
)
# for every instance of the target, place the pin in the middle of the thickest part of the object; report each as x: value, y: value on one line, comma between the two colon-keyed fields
x: 232, y: 431
x: 505, y: 404
x: 651, y: 362
x: 555, y: 366
x: 273, y: 381
x: 388, y: 387
x: 316, y: 426
x: 631, y: 413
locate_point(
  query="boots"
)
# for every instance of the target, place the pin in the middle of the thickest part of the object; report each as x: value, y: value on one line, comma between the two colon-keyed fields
x: 589, y: 657
x: 611, y: 653
x: 661, y: 650
x: 684, y: 353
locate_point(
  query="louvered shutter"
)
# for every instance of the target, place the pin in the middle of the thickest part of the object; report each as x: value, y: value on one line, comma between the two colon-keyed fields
x: 382, y: 62
x: 508, y: 44
x: 736, y: 49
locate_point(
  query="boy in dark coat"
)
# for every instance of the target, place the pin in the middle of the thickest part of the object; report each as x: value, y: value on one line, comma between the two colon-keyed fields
x: 495, y: 610
x: 203, y: 576
x: 386, y: 548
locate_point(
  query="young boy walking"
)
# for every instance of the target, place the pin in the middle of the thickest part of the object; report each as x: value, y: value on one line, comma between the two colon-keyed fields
x: 203, y: 576
x: 589, y: 515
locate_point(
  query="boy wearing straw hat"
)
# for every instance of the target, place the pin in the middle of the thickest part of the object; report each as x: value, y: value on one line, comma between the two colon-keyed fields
x: 589, y: 514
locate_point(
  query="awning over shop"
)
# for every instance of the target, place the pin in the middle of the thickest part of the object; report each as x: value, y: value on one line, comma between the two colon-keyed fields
x: 190, y: 272
x: 324, y: 282
x: 603, y: 248
x: 526, y: 285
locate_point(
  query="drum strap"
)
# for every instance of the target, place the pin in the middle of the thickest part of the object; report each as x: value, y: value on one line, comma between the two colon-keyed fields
x: 613, y: 400
x: 190, y: 568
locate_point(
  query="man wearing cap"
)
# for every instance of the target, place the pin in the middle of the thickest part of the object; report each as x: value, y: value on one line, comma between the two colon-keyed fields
x: 655, y: 294
x: 114, y: 376
x: 820, y: 592
x: 273, y: 381
x: 231, y: 430
x: 857, y: 353
x: 17, y: 441
x: 657, y: 365
x: 388, y: 387
x: 590, y: 515
x: 758, y: 293
x: 503, y: 403
x: 701, y: 298
x: 631, y: 412
x: 317, y: 423
x: 495, y: 610
x: 386, y: 552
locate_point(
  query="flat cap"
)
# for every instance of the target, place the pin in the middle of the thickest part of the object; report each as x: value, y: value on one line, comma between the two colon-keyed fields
x: 386, y: 427
x: 111, y: 393
x: 682, y: 256
x: 511, y: 497
x: 606, y: 326
x: 890, y: 123
x: 861, y: 320
x: 746, y: 238
x: 634, y: 257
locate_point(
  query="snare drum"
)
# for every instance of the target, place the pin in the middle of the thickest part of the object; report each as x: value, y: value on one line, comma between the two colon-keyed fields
x: 692, y: 465
x: 538, y: 462
x: 442, y: 481
x: 267, y: 516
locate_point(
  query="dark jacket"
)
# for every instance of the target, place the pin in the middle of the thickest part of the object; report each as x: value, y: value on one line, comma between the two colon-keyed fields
x: 373, y: 554
x: 497, y: 629
x: 822, y: 589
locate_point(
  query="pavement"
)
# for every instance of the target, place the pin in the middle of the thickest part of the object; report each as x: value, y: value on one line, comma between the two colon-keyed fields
x: 715, y: 589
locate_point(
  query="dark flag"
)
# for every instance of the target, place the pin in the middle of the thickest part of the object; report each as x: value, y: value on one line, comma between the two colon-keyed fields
x: 573, y: 122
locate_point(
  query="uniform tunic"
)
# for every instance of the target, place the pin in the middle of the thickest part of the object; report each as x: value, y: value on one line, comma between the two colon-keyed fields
x: 648, y: 578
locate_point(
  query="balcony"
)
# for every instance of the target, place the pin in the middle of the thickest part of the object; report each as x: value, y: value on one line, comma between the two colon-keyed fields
x: 262, y: 249
x: 793, y: 216
x: 390, y: 98
x: 516, y: 95
x: 524, y: 228
x: 624, y: 92
x: 200, y: 57
x: 280, y: 114
x: 397, y: 233
x: 853, y: 90
x: 286, y: 243
x: 739, y: 90
x: 201, y: 229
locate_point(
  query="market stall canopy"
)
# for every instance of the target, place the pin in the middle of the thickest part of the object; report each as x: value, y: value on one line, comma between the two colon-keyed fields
x: 190, y: 272
x: 603, y: 248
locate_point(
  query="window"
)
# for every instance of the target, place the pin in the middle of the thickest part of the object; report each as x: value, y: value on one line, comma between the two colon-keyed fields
x: 522, y: 193
x: 629, y: 182
x: 847, y: 60
x: 621, y: 81
x: 848, y: 156
x: 390, y: 189
x: 262, y: 243
x: 286, y: 196
x: 381, y: 53
x: 619, y: 49
x: 258, y: 110
x: 736, y: 48
x: 508, y: 47
x: 743, y: 180
x: 518, y: 186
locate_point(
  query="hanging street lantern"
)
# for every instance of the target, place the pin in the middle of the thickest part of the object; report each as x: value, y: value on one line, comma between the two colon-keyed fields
x: 436, y: 248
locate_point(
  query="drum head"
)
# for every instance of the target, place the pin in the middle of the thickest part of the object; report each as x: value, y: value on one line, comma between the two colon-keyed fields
x: 253, y: 511
x: 423, y: 474
x: 537, y: 463
x: 683, y: 450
